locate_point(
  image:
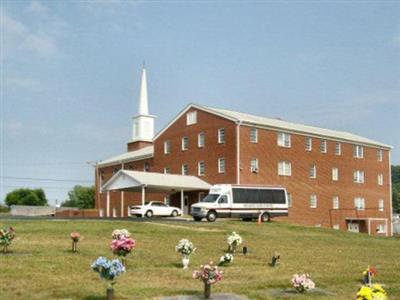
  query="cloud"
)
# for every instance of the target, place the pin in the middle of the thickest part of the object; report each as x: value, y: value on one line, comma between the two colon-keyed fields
x: 15, y: 83
x: 18, y: 37
x: 37, y: 7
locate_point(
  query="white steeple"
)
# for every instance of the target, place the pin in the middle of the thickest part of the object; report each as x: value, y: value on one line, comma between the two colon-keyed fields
x: 143, y: 123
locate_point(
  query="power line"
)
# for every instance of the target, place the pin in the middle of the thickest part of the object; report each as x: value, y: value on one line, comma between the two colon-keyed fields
x: 45, y: 179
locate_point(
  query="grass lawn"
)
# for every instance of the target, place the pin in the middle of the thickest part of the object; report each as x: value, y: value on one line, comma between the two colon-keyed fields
x: 41, y: 265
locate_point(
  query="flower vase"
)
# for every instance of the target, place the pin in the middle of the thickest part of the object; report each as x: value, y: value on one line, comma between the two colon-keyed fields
x: 232, y: 248
x: 110, y: 294
x: 74, y: 246
x: 185, y: 261
x: 207, y: 290
x: 124, y: 260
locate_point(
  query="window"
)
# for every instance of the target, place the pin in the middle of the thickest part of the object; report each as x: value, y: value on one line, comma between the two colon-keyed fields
x: 323, y: 146
x: 379, y: 154
x: 201, y: 168
x: 381, y: 205
x: 338, y: 149
x: 289, y: 199
x: 221, y: 135
x: 254, y: 165
x: 185, y: 169
x: 335, y: 174
x: 191, y: 118
x: 336, y: 226
x: 284, y: 140
x: 284, y: 168
x: 381, y: 228
x: 313, y: 201
x: 308, y: 144
x: 358, y: 176
x: 167, y: 147
x: 358, y: 151
x: 313, y: 171
x: 359, y: 203
x: 335, y: 202
x: 221, y: 165
x: 167, y: 170
x: 201, y: 140
x: 380, y: 179
x: 146, y: 167
x: 185, y: 143
x: 254, y: 135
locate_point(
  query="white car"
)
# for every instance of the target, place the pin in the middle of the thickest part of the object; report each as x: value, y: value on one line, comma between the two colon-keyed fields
x: 155, y: 208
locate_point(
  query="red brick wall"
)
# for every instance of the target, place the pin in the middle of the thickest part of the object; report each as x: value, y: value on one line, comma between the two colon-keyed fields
x: 301, y: 186
x: 133, y: 146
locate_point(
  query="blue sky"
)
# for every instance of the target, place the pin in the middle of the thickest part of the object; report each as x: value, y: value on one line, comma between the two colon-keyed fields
x: 70, y: 73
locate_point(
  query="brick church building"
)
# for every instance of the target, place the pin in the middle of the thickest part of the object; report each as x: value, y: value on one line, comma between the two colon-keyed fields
x: 334, y: 179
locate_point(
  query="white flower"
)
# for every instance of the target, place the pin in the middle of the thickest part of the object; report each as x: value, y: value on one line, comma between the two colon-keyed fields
x: 185, y: 247
x: 234, y: 239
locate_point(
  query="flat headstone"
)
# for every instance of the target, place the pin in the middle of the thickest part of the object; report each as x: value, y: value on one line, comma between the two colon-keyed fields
x: 288, y: 293
x: 215, y: 296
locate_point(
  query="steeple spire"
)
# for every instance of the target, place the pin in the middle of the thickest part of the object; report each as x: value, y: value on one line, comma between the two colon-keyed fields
x: 143, y: 98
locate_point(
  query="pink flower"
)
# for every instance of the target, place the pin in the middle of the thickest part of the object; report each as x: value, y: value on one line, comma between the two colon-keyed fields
x: 122, y: 246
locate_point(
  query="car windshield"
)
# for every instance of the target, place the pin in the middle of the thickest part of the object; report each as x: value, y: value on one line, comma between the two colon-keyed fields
x: 210, y: 198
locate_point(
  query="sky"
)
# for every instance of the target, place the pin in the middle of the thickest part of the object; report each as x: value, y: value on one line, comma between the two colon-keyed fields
x: 70, y: 74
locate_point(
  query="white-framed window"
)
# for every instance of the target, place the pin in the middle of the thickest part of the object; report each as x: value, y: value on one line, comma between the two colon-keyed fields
x: 335, y: 202
x: 336, y: 226
x: 221, y: 165
x: 254, y: 135
x: 185, y: 143
x: 358, y: 151
x: 359, y: 203
x: 323, y: 146
x: 358, y: 176
x: 254, y: 165
x: 313, y: 201
x: 289, y: 199
x: 201, y: 168
x: 191, y: 118
x: 221, y: 135
x: 185, y: 169
x: 308, y: 144
x: 381, y: 228
x: 201, y: 140
x: 380, y: 179
x: 167, y: 147
x: 285, y: 168
x: 284, y: 140
x: 335, y: 174
x: 313, y: 171
x: 379, y: 154
x: 167, y: 170
x: 381, y: 205
x: 338, y: 148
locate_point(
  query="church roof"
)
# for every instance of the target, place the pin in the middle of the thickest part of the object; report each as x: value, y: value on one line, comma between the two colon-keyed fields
x: 146, y: 152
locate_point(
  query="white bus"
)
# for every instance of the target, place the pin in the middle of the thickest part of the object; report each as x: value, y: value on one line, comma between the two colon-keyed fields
x: 240, y: 201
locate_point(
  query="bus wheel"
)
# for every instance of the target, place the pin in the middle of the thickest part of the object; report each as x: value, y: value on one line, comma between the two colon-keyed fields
x: 265, y: 217
x: 211, y: 216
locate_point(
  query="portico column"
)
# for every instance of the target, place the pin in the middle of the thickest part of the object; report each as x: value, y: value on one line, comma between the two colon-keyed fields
x: 108, y: 204
x: 143, y: 194
x: 182, y: 200
x: 122, y: 204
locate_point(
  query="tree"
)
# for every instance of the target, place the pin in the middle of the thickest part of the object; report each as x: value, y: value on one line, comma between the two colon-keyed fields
x: 80, y: 196
x: 26, y: 196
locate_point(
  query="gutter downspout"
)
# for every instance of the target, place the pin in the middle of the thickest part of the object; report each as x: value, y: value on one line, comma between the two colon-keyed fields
x: 390, y: 197
x: 238, y: 151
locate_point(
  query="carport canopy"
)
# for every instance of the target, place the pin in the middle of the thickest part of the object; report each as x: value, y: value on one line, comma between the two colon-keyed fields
x: 136, y: 181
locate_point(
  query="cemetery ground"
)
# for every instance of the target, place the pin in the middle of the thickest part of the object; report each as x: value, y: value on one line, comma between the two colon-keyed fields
x: 42, y: 266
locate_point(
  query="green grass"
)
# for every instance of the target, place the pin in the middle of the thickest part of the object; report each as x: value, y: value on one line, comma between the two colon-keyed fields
x: 41, y: 265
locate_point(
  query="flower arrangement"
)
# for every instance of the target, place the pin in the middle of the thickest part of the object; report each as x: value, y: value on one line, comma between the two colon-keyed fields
x: 185, y: 247
x: 226, y: 259
x: 118, y: 234
x: 302, y: 283
x: 108, y: 270
x: 234, y: 240
x: 374, y: 292
x: 6, y: 237
x: 368, y: 274
x: 75, y: 236
x: 209, y: 274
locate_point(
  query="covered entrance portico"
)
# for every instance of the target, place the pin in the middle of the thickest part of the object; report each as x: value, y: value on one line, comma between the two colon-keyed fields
x: 149, y: 182
x: 368, y: 225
